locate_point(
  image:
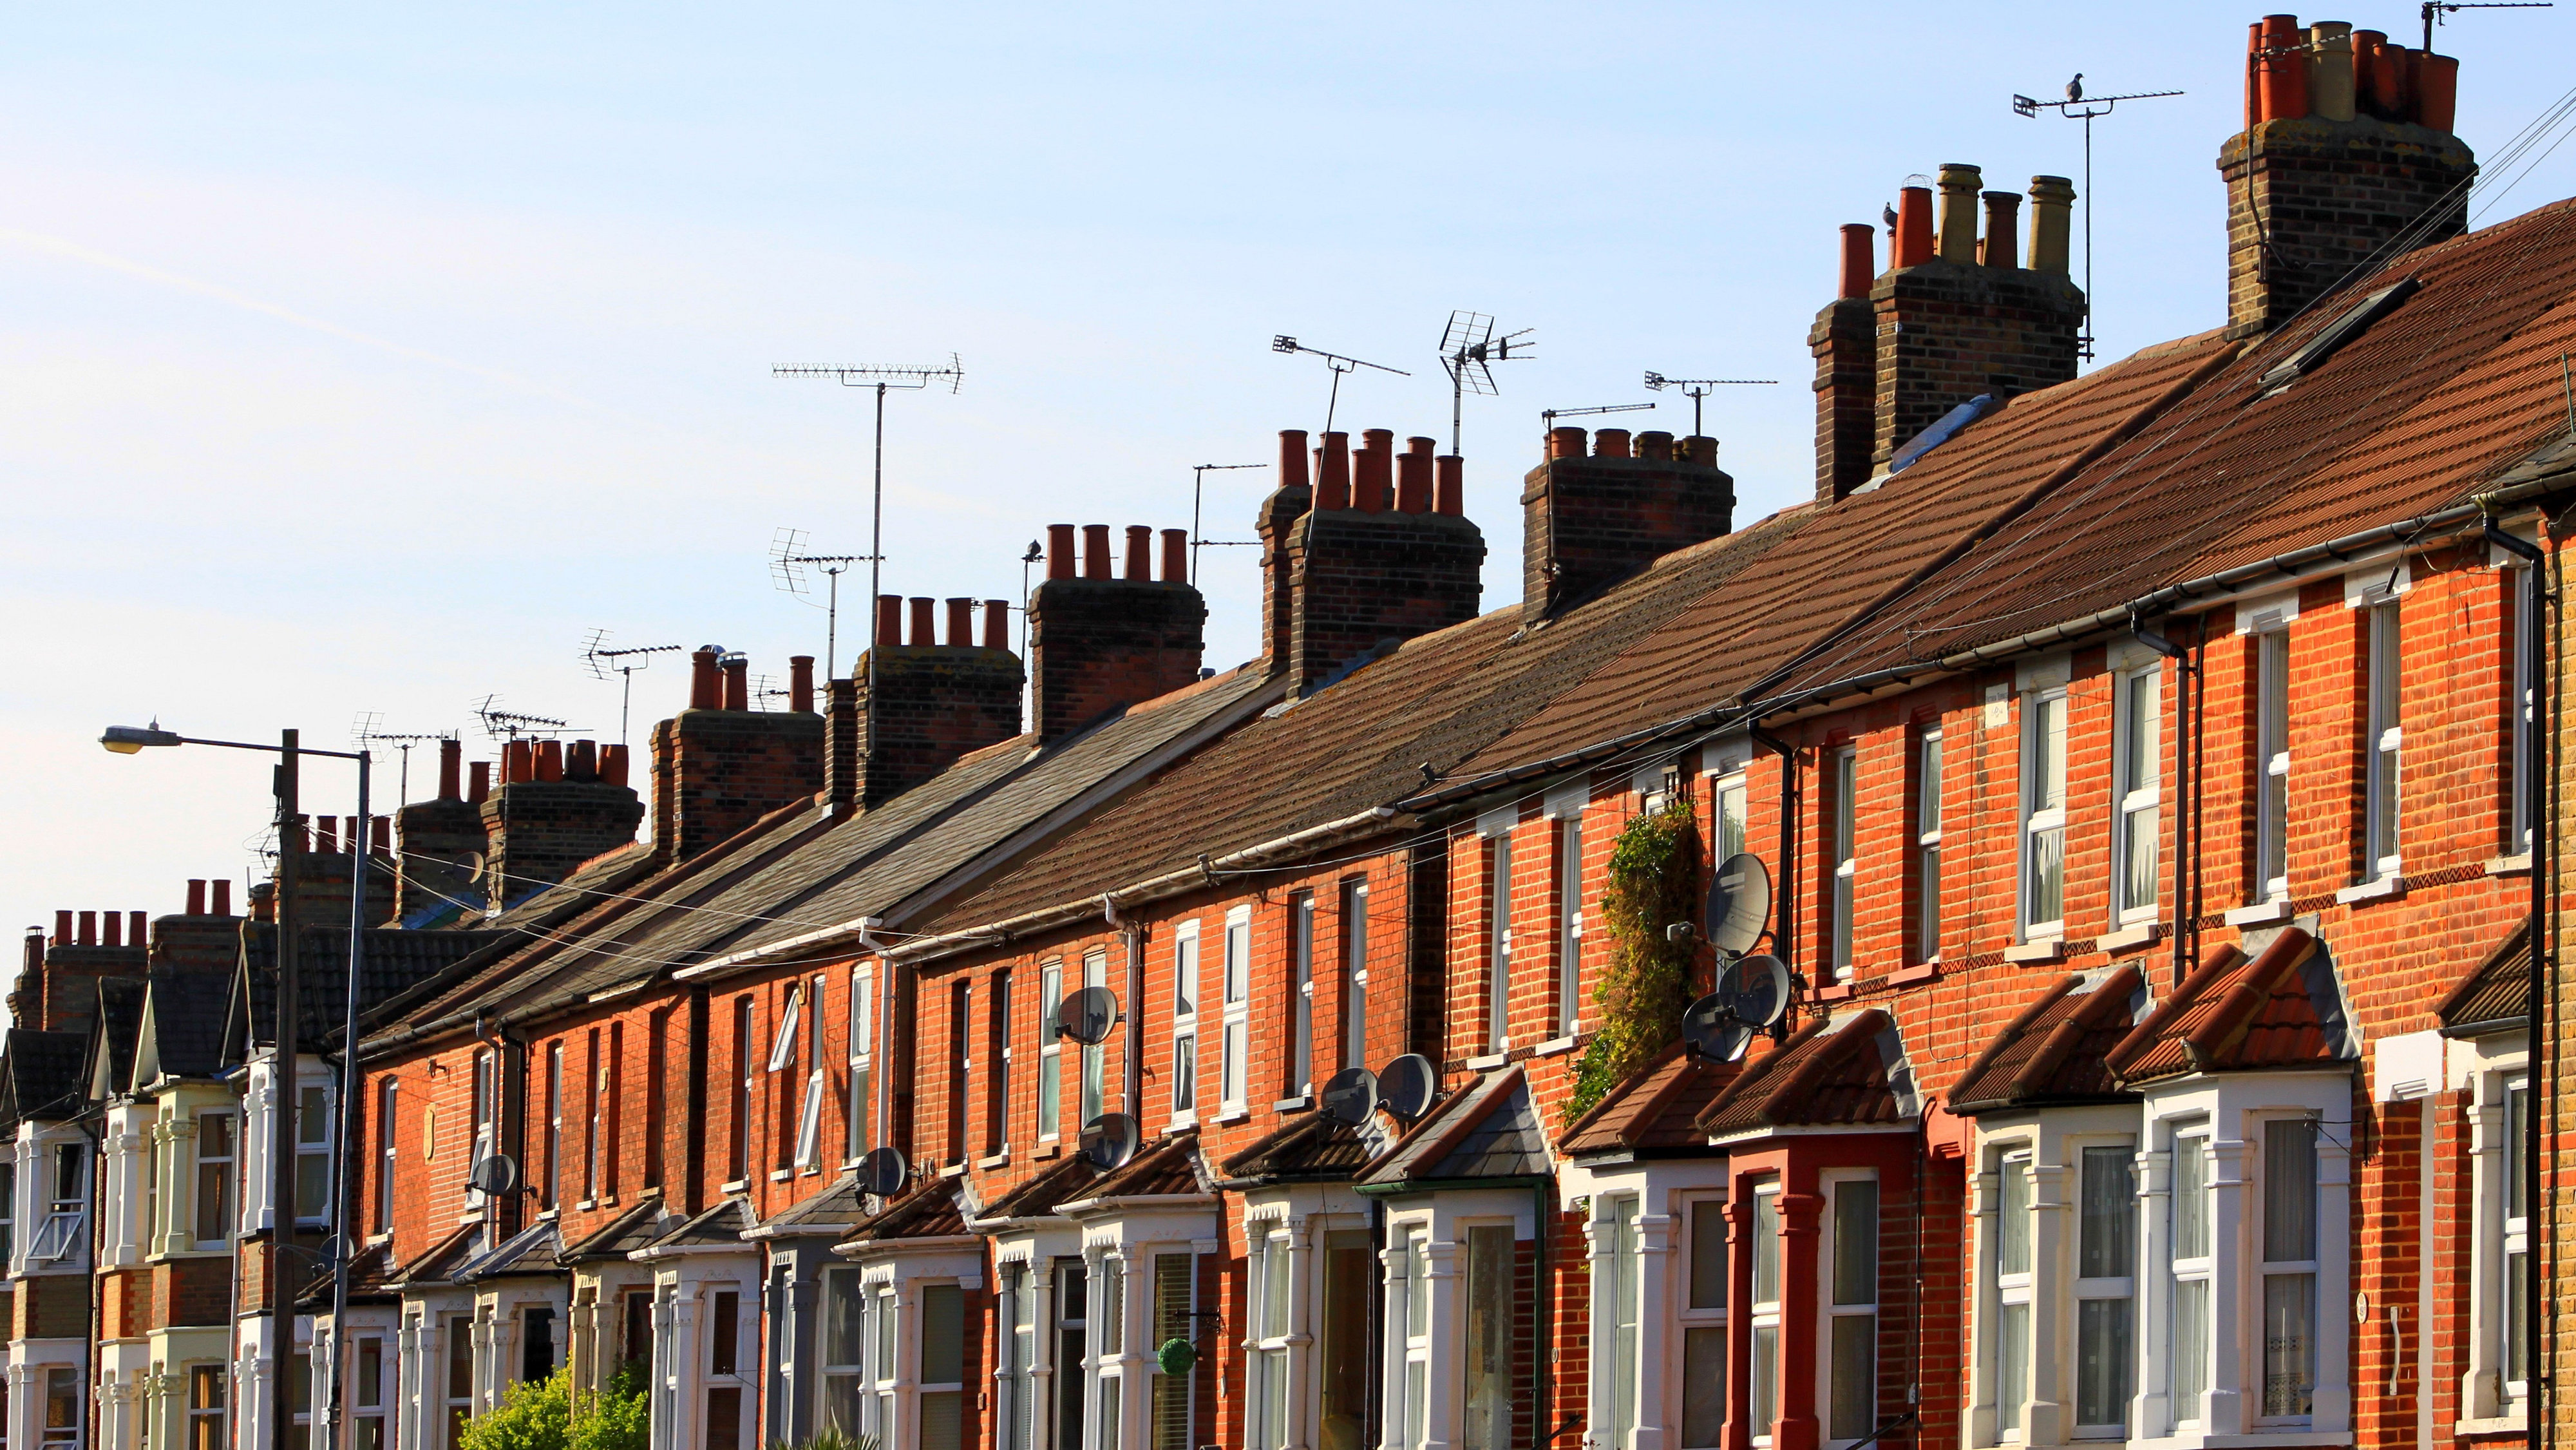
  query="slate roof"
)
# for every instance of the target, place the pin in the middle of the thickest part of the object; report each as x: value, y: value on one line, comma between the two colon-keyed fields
x: 639, y: 1225
x: 720, y: 1227
x: 534, y: 1251
x: 371, y: 1281
x: 438, y: 1264
x: 1846, y: 1071
x: 1490, y: 1131
x: 1307, y: 1148
x: 929, y: 1211
x: 832, y: 1211
x: 1655, y: 1112
x: 182, y: 1031
x: 111, y: 1048
x: 41, y: 1074
x: 797, y: 874
x: 391, y: 961
x: 2280, y: 1008
x: 2496, y: 994
x: 2052, y: 1051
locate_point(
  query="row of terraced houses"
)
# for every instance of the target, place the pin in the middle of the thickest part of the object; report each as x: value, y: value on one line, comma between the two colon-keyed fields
x: 2156, y: 768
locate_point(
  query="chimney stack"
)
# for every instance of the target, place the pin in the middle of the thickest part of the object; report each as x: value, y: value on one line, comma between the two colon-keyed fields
x: 1845, y: 343
x: 1351, y: 573
x: 715, y: 771
x: 800, y: 684
x: 933, y: 702
x: 1280, y: 512
x: 1588, y: 523
x: 2347, y: 150
x: 57, y: 991
x: 1098, y: 645
x: 204, y: 938
x: 440, y: 840
x: 842, y: 782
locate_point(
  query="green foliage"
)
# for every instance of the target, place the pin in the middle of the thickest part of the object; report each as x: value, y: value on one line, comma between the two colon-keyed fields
x: 618, y: 1418
x: 832, y: 1440
x: 1646, y: 986
x: 532, y: 1415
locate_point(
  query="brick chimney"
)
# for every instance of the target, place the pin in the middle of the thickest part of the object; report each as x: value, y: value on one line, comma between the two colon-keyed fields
x: 1845, y: 343
x: 204, y: 938
x: 2346, y: 159
x: 57, y: 986
x: 1099, y: 644
x: 553, y: 809
x: 1955, y: 318
x: 934, y: 701
x: 1280, y: 512
x: 1363, y: 564
x: 442, y: 840
x: 719, y: 765
x: 329, y: 865
x: 1590, y: 520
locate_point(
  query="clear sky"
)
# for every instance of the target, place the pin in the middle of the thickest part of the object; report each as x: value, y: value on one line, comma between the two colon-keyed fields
x: 367, y: 359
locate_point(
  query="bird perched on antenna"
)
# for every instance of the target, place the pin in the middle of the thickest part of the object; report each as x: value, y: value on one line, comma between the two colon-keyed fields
x: 2075, y: 87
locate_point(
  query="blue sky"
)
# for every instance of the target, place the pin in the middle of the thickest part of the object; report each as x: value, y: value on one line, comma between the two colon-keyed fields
x: 368, y: 359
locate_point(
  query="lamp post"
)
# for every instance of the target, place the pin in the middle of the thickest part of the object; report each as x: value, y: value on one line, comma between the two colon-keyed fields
x: 279, y: 1288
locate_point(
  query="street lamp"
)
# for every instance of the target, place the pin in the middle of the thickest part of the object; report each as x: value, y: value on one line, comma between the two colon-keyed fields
x: 133, y: 740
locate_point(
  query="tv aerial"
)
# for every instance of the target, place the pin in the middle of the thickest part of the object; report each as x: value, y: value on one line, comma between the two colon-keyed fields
x: 883, y: 379
x: 1198, y: 491
x: 789, y: 558
x: 1550, y: 415
x: 368, y: 730
x: 623, y: 663
x: 1468, y: 348
x: 502, y: 724
x: 2077, y: 106
x: 1339, y: 365
x: 1697, y: 388
x: 2438, y: 12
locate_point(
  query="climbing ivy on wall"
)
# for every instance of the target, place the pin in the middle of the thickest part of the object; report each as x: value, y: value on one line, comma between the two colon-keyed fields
x: 1654, y: 869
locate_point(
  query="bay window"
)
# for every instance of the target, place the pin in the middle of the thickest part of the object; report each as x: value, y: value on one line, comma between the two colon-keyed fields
x: 2105, y: 1266
x: 1269, y: 1271
x: 1614, y: 1297
x: 1019, y: 1322
x: 1109, y: 1349
x: 2289, y: 1269
x: 1341, y: 1339
x: 943, y: 1367
x: 2043, y: 816
x: 2010, y: 1288
x: 2496, y: 1384
x: 1765, y: 1409
x: 2187, y: 1350
x: 1851, y: 1310
x: 1409, y: 1308
x: 1703, y: 1325
x: 1174, y: 1306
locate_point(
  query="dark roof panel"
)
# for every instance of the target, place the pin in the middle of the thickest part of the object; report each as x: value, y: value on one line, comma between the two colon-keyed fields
x: 2053, y: 1051
x: 2496, y: 994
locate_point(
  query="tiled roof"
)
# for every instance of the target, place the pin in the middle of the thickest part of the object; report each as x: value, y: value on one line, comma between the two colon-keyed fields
x: 2281, y: 1008
x: 182, y: 1032
x: 1168, y: 1167
x: 120, y: 1024
x: 929, y: 1211
x: 534, y: 1250
x: 439, y: 1263
x: 1363, y: 741
x: 622, y: 1235
x: 371, y: 1281
x: 1848, y: 1071
x: 1656, y: 1110
x: 1308, y: 1148
x: 839, y: 1205
x: 719, y: 1227
x: 43, y: 1075
x: 1490, y: 1131
x: 2496, y: 994
x: 2052, y: 1051
x: 391, y: 961
x: 1067, y: 1180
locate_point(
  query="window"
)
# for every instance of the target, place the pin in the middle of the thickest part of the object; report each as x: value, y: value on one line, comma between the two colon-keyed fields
x: 312, y: 1154
x: 1730, y: 815
x: 2043, y: 873
x: 2011, y: 1288
x: 65, y: 1206
x: 862, y: 1059
x: 595, y: 1092
x: 2188, y: 1360
x: 1492, y: 1307
x: 1703, y: 1324
x: 1498, y: 983
x: 2272, y: 765
x: 63, y: 1407
x: 2289, y: 1234
x: 997, y: 1053
x: 1019, y: 1319
x: 206, y: 1407
x: 738, y: 1151
x: 1766, y: 1309
x: 459, y: 1396
x: 553, y: 1183
x: 367, y: 1393
x: 385, y: 1120
x: 1842, y: 786
x: 1342, y: 1344
x: 218, y: 1158
x: 1619, y: 1296
x: 1175, y: 1288
x: 788, y: 1040
x: 1355, y: 945
x: 2386, y: 735
x: 1268, y: 1275
x: 1095, y: 1057
x: 943, y: 1366
x: 2512, y: 1328
x: 1301, y: 995
x: 2519, y: 711
x: 1851, y: 1389
x: 1185, y: 1020
x: 724, y: 1362
x: 1927, y: 848
x: 2137, y: 789
x: 1234, y: 1067
x: 2105, y: 1265
x: 961, y: 1067
x: 483, y: 1109
x: 1050, y: 1051
x: 1072, y: 1352
x: 657, y: 1038
x: 1409, y: 1307
x: 1569, y: 920
x: 637, y: 1347
x: 8, y: 1221
x: 610, y: 1121
x: 536, y: 1344
x: 1110, y: 1383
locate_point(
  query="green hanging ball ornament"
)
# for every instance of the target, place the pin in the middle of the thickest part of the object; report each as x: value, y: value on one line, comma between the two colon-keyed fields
x: 1177, y: 1356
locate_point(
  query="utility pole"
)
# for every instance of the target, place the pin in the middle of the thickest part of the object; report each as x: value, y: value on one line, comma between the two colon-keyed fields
x: 281, y: 1139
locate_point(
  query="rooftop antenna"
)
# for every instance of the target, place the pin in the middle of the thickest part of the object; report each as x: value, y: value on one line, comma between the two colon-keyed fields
x: 2078, y: 106
x: 1339, y: 365
x: 365, y: 731
x: 2438, y: 12
x: 788, y: 561
x: 502, y: 724
x: 1198, y: 491
x: 881, y: 379
x: 624, y: 663
x: 1466, y: 348
x: 1550, y: 415
x: 1028, y: 688
x: 1697, y: 388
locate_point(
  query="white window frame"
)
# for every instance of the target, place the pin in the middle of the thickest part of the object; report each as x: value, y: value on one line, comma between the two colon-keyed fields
x: 388, y: 1116
x: 2137, y: 792
x: 1618, y: 1297
x: 2041, y: 822
x: 2523, y: 737
x: 862, y: 1055
x: 1185, y: 1023
x: 2004, y: 1189
x: 2490, y: 1399
x: 1689, y: 1318
x: 1832, y: 1309
x: 2099, y: 1288
x: 230, y: 1217
x: 313, y: 1141
x: 1569, y: 921
x: 1727, y: 800
x: 1270, y: 1267
x: 1764, y: 1314
x: 1095, y: 1057
x: 484, y: 1086
x: 2264, y: 1269
x: 2383, y: 794
x: 1929, y: 763
x: 2189, y: 1137
x: 1498, y: 926
x: 1411, y: 1384
x: 552, y: 1199
x: 1050, y: 1050
x: 1355, y: 975
x: 1842, y: 825
x: 59, y: 1236
x: 1234, y: 1068
x: 809, y: 1117
x: 1301, y: 995
x: 790, y: 1036
x: 2272, y: 763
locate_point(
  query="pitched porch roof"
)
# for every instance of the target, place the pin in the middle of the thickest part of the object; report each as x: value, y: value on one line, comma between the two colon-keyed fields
x: 1838, y: 1072
x: 2052, y: 1051
x: 2281, y: 1008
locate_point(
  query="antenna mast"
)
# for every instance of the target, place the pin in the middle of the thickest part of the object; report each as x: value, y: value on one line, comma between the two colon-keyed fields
x: 1198, y: 491
x: 1697, y: 388
x: 1466, y: 347
x: 363, y: 732
x: 1339, y: 365
x: 1550, y: 415
x: 2080, y: 107
x: 2438, y: 12
x: 881, y: 379
x: 625, y: 662
x: 787, y: 561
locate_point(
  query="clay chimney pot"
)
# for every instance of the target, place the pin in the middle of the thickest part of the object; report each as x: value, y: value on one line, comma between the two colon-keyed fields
x: 1913, y: 227
x: 889, y: 620
x: 2003, y: 223
x: 704, y: 689
x: 1292, y: 458
x: 1059, y: 553
x: 997, y: 624
x: 1333, y: 473
x: 1413, y: 469
x: 196, y: 896
x: 1655, y: 446
x: 737, y: 682
x: 1449, y: 485
x: 550, y: 759
x: 924, y: 609
x: 1095, y: 551
x: 114, y: 935
x: 451, y: 760
x: 1565, y: 443
x: 1860, y: 254
x: 612, y: 765
x: 800, y: 684
x: 1176, y: 556
x: 1959, y: 183
x: 1610, y: 443
x: 223, y: 894
x: 88, y: 929
x: 961, y: 623
x: 1140, y: 553
x: 479, y: 783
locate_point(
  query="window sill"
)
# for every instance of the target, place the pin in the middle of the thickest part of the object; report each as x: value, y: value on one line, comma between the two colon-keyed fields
x: 2386, y: 888
x: 781, y: 1175
x: 585, y: 1206
x: 953, y: 1170
x: 1046, y: 1151
x: 1297, y: 1104
x: 2493, y: 1425
x: 1553, y: 1046
x: 1838, y: 992
x: 2250, y: 1440
x: 2261, y: 913
x: 2028, y: 953
x: 736, y: 1186
x: 2114, y: 943
x: 1488, y: 1062
x: 1231, y: 1115
x: 2519, y: 865
x: 1919, y: 972
x: 995, y: 1160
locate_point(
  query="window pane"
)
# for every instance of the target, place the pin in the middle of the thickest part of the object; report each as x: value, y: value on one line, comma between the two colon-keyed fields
x: 2048, y: 756
x: 2048, y: 875
x: 1853, y: 1410
x: 2109, y: 1217
x: 1703, y: 1387
x: 1491, y: 1306
x: 1623, y: 1320
x: 1235, y: 1066
x: 1730, y: 821
x: 1050, y: 1095
x: 1342, y: 1351
x: 2517, y: 1322
x: 942, y: 1419
x: 1274, y: 1288
x: 2191, y: 1198
x: 2289, y: 1191
x: 2012, y: 1219
x: 1856, y: 1243
x: 1112, y: 1393
x: 2517, y: 1102
x: 1185, y: 1073
x: 2012, y: 1364
x: 1113, y: 1307
x: 1708, y: 1255
x: 2145, y: 724
x: 1766, y: 1248
x: 2102, y: 1362
x: 1928, y: 798
x: 1417, y: 1298
x: 2138, y: 857
x: 2289, y: 1344
x: 1766, y: 1377
x: 1417, y: 1394
x: 2190, y: 1346
x: 841, y: 1316
x: 1185, y: 975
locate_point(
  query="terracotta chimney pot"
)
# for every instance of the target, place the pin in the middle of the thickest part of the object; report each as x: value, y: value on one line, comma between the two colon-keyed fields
x: 1449, y: 486
x: 1413, y: 468
x: 1913, y: 227
x: 196, y: 896
x: 1655, y: 446
x: 1176, y: 556
x: 704, y: 689
x: 1292, y: 458
x: 1566, y: 442
x: 550, y: 759
x: 1059, y: 553
x: 2003, y: 224
x: 889, y: 620
x: 1959, y: 183
x: 451, y: 760
x: 479, y: 783
x: 923, y: 635
x: 1610, y: 443
x: 997, y: 624
x: 737, y: 682
x: 1860, y: 255
x: 612, y: 765
x: 961, y: 623
x: 1333, y: 474
x: 223, y: 894
x: 1140, y: 553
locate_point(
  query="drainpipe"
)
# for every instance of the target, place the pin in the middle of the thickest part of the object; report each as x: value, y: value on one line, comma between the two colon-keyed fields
x: 1131, y: 1077
x: 1784, y: 942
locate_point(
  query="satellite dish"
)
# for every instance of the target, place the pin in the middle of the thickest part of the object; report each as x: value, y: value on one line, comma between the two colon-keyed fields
x: 1404, y: 1086
x: 1739, y: 903
x: 493, y: 1174
x: 1755, y: 989
x: 1087, y: 1016
x: 1351, y: 1097
x: 1713, y: 1031
x: 1108, y: 1141
x: 883, y: 1172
